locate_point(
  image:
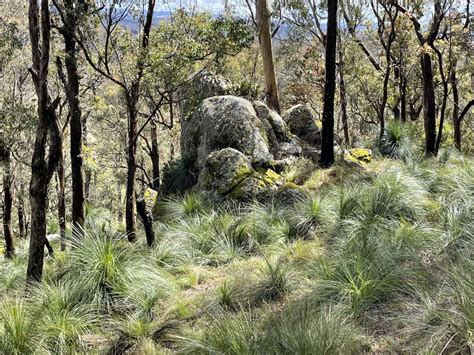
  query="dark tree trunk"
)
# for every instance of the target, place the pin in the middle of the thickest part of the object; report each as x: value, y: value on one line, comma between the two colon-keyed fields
x: 343, y: 96
x: 21, y: 212
x: 72, y: 93
x: 388, y: 58
x: 49, y: 247
x: 403, y: 96
x: 7, y: 206
x: 442, y: 112
x: 396, y: 107
x: 265, y: 39
x: 120, y: 209
x: 172, y: 150
x: 61, y: 203
x: 87, y: 172
x: 132, y: 97
x: 130, y: 202
x: 429, y: 105
x: 456, y: 121
x: 327, y: 145
x: 155, y: 157
x: 42, y: 166
x: 147, y: 220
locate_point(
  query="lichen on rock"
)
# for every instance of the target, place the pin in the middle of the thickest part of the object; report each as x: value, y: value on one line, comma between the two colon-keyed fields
x: 358, y: 155
x: 230, y: 173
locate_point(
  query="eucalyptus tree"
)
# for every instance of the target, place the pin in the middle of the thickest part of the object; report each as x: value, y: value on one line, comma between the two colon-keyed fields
x: 327, y: 144
x: 262, y: 17
x: 71, y: 12
x: 43, y: 164
x: 426, y: 41
x: 108, y: 56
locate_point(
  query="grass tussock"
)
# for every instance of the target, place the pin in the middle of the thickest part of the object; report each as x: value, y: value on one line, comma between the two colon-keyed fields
x: 379, y: 261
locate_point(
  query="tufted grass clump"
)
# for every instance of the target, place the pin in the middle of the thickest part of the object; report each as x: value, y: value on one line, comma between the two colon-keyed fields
x: 63, y: 313
x: 178, y: 176
x: 396, y: 142
x: 307, y: 217
x: 18, y: 329
x: 269, y: 283
x: 305, y: 329
x: 228, y: 333
x: 379, y: 261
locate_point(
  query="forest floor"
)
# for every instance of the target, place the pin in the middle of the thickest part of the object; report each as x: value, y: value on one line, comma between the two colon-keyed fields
x: 375, y: 257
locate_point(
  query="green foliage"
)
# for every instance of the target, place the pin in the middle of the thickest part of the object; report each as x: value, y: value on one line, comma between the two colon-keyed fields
x: 191, y: 41
x: 304, y: 329
x: 230, y: 334
x: 394, y: 245
x: 178, y: 176
x: 17, y: 331
x: 248, y: 89
x: 63, y: 314
x: 396, y: 141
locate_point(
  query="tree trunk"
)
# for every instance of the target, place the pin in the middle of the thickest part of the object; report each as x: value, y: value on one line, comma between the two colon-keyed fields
x: 403, y: 96
x: 21, y: 212
x: 327, y: 146
x: 429, y: 105
x: 132, y: 96
x: 396, y: 107
x: 429, y: 98
x: 42, y: 167
x: 7, y: 206
x: 61, y: 203
x: 130, y: 203
x: 72, y: 93
x: 147, y: 220
x: 456, y: 121
x: 442, y: 112
x: 87, y: 172
x: 343, y: 96
x: 155, y: 157
x: 265, y: 39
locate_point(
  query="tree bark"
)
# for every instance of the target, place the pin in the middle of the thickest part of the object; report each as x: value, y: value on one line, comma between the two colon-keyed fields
x: 72, y: 92
x: 327, y: 145
x: 456, y: 121
x: 87, y: 172
x: 21, y: 212
x: 155, y: 157
x: 61, y: 203
x: 147, y: 220
x: 132, y: 97
x: 442, y: 112
x: 429, y: 98
x: 265, y: 39
x: 403, y: 94
x: 429, y: 105
x: 7, y: 206
x: 130, y: 202
x: 42, y: 166
x: 343, y: 96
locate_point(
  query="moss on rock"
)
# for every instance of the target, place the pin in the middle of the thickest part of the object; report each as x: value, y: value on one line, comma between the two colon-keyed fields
x: 359, y: 155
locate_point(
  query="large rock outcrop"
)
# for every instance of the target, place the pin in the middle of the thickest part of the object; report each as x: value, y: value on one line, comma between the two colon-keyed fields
x: 202, y: 86
x: 302, y: 122
x: 236, y: 147
x: 230, y: 173
x: 224, y: 122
